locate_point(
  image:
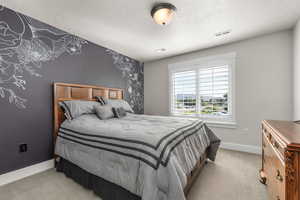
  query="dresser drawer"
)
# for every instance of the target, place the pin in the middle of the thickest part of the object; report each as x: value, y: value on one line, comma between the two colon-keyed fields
x: 281, y: 159
x: 279, y: 175
x: 275, y: 142
x: 274, y: 170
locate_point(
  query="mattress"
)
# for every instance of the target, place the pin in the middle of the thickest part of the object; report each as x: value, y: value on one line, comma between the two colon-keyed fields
x: 149, y: 156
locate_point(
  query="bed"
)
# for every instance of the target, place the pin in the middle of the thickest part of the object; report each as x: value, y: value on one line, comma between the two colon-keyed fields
x: 132, y: 158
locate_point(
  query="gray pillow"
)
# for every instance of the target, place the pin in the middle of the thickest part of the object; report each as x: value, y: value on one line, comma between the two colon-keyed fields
x: 119, y: 112
x: 76, y: 108
x: 104, y: 112
x: 102, y: 100
x: 120, y: 103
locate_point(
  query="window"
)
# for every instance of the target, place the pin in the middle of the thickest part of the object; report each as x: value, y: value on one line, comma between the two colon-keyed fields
x: 203, y: 88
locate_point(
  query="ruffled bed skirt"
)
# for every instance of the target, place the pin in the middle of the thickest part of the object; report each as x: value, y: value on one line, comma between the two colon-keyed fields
x: 104, y: 189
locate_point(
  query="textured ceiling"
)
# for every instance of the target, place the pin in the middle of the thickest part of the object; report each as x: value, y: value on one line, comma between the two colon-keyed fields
x: 127, y: 27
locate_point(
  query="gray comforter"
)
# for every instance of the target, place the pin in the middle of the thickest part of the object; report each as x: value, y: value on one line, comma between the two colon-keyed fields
x: 147, y: 155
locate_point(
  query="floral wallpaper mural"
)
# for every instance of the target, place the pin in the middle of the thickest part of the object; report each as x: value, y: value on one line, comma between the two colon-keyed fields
x: 135, y: 79
x: 34, y: 55
x: 24, y: 46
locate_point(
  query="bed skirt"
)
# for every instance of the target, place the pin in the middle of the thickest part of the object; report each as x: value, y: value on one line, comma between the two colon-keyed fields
x: 104, y: 189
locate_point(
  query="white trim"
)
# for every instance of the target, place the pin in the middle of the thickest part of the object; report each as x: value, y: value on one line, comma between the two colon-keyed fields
x: 241, y: 147
x: 25, y: 172
x: 46, y: 165
x: 203, y: 62
x: 218, y: 124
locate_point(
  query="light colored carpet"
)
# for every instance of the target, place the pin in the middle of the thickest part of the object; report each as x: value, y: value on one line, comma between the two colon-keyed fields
x: 234, y: 176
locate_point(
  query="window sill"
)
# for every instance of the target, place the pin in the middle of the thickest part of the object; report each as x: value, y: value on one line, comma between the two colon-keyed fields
x: 231, y: 125
x: 213, y: 124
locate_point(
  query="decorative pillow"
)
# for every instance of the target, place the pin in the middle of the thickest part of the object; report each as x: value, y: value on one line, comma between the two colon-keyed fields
x: 104, y: 112
x: 119, y: 112
x: 76, y: 108
x: 120, y: 103
x: 65, y: 110
x: 102, y: 100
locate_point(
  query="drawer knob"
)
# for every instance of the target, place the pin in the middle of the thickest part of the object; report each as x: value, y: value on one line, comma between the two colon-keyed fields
x: 277, y: 198
x: 269, y: 136
x: 276, y: 145
x: 279, y: 176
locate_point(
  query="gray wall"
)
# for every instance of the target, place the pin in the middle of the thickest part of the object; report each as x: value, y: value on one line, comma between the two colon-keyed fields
x: 33, y: 56
x: 263, y: 84
x: 297, y: 71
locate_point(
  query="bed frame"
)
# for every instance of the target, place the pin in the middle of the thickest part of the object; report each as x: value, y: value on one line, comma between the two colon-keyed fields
x: 67, y: 91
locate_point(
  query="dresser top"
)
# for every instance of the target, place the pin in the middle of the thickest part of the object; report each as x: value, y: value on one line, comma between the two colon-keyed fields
x: 288, y: 131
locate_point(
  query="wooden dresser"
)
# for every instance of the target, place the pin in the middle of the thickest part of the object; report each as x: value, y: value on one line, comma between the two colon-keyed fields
x: 281, y: 159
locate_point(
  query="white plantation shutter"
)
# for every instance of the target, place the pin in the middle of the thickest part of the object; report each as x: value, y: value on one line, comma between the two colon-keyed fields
x: 213, y: 91
x: 203, y: 89
x: 184, y: 92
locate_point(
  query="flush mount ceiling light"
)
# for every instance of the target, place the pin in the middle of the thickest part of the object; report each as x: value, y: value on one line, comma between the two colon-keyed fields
x: 223, y: 33
x: 161, y: 50
x: 163, y: 13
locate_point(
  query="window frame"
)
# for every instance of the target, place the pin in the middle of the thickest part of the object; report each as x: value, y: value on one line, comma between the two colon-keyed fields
x: 228, y: 59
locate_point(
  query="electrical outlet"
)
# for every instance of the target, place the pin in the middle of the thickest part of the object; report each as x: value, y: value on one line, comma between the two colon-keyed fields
x: 23, y: 148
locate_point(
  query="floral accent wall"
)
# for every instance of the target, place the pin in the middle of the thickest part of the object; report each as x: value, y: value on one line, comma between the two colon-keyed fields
x: 34, y: 55
x: 26, y: 44
x: 134, y: 77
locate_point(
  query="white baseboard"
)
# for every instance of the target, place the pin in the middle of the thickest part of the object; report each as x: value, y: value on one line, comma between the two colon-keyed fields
x: 25, y: 172
x: 43, y: 166
x: 241, y: 147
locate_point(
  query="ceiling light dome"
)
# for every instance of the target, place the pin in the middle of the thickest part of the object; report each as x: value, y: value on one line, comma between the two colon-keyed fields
x: 163, y: 13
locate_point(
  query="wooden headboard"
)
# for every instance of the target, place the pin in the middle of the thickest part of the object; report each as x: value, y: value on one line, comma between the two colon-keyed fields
x: 67, y: 91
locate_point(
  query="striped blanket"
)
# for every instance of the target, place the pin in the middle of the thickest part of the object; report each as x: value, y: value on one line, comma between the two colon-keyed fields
x: 136, y: 151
